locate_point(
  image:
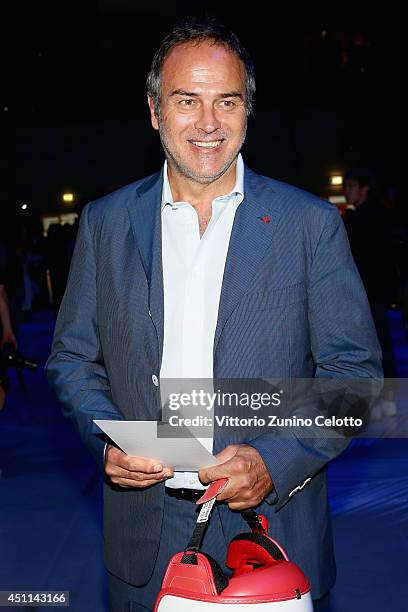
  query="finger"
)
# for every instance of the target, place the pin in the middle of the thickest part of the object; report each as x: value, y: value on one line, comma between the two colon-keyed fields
x: 241, y: 505
x: 235, y: 466
x: 236, y: 490
x: 133, y: 484
x: 139, y: 476
x: 240, y: 487
x: 113, y: 471
x: 116, y: 456
x: 141, y: 464
x: 134, y: 463
x: 228, y: 493
x: 215, y: 472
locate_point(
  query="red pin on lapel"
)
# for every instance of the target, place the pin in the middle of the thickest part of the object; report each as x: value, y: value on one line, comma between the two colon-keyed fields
x: 265, y: 219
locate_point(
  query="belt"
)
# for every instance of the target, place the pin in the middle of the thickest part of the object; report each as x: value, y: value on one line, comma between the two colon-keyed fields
x: 187, y: 494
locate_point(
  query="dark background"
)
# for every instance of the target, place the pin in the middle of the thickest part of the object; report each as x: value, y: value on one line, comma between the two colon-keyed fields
x: 73, y: 116
x: 330, y: 94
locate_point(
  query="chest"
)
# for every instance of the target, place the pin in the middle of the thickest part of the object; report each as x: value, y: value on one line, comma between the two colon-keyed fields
x: 203, y: 221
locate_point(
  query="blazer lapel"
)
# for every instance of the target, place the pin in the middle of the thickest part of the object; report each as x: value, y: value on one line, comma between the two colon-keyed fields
x: 253, y: 229
x: 145, y: 218
x: 254, y: 225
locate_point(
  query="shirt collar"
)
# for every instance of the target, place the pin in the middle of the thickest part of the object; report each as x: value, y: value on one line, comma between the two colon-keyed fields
x: 238, y: 189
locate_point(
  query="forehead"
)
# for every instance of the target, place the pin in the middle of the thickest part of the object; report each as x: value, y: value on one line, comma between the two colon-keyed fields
x: 203, y: 64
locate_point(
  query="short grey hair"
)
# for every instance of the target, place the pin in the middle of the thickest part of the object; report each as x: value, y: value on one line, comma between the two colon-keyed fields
x: 195, y: 30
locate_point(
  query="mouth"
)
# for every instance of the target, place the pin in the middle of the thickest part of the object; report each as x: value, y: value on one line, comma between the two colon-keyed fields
x: 207, y: 144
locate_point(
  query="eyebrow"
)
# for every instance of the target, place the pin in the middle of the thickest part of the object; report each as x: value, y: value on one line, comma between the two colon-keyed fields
x: 192, y: 94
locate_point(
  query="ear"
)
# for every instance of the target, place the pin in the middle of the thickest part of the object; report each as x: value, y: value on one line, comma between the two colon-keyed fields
x: 153, y: 116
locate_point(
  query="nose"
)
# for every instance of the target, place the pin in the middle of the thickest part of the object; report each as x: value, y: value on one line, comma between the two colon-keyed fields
x: 207, y: 120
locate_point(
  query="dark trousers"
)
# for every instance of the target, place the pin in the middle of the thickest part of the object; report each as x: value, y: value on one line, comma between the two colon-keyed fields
x: 323, y: 604
x: 178, y: 524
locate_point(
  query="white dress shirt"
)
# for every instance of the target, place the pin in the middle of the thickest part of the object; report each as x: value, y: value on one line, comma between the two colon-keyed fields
x: 193, y: 270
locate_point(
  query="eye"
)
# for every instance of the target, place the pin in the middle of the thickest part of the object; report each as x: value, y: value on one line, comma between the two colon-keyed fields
x: 227, y: 103
x: 187, y: 102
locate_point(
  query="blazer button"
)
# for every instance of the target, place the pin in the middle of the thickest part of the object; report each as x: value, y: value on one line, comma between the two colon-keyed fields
x: 155, y: 380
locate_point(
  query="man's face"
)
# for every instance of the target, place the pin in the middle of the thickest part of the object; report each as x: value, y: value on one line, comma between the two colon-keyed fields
x: 354, y: 193
x: 203, y: 118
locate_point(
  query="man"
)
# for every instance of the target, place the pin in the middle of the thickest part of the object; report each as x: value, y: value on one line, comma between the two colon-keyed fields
x: 206, y: 270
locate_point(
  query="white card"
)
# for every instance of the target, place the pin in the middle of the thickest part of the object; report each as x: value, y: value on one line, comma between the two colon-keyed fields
x: 139, y: 438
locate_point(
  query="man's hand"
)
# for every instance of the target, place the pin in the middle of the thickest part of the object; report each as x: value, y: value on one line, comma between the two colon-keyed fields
x: 133, y: 472
x: 249, y: 481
